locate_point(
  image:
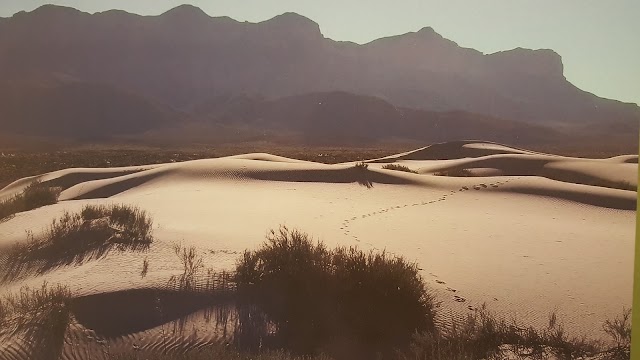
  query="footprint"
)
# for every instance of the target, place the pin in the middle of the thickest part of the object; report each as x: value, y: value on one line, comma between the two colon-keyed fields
x: 440, y: 282
x: 465, y: 188
x: 494, y: 185
x: 483, y: 185
x: 459, y: 299
x: 452, y: 290
x: 477, y: 187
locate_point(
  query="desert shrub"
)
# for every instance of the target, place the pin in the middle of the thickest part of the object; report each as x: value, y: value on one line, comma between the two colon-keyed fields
x: 77, y: 237
x: 398, y: 167
x: 33, y: 196
x: 361, y: 165
x: 455, y: 172
x: 344, y: 301
x: 484, y: 336
x: 619, y: 329
x: 361, y: 175
x: 192, y: 264
x: 39, y: 315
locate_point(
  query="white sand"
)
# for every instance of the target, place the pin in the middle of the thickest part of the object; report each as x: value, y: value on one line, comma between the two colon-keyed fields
x: 524, y: 245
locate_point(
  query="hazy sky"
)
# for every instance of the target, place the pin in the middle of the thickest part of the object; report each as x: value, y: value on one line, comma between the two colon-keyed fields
x: 598, y: 39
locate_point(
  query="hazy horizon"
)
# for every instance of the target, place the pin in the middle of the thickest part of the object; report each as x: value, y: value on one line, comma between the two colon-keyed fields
x: 595, y: 39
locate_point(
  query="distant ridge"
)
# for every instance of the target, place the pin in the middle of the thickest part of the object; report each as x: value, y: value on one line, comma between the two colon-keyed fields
x: 184, y: 58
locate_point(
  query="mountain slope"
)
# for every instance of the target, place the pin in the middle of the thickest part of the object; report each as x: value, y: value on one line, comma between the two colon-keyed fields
x: 184, y: 57
x: 77, y: 110
x: 340, y: 117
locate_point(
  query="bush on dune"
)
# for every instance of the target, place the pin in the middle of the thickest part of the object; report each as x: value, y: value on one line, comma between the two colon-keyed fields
x: 76, y: 237
x: 40, y: 315
x: 398, y: 167
x: 454, y: 172
x: 33, y: 196
x: 342, y: 301
x: 484, y: 336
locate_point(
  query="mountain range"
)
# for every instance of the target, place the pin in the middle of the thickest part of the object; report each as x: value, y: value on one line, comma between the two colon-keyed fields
x: 77, y: 75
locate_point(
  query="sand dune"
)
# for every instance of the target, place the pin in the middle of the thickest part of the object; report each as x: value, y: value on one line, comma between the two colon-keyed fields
x: 520, y: 241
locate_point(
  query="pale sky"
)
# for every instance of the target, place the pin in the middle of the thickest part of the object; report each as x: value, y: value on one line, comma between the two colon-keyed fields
x: 597, y: 39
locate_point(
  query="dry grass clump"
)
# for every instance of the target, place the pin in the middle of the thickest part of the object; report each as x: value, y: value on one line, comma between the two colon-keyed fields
x: 343, y: 301
x: 192, y: 264
x: 398, y: 167
x: 41, y: 316
x: 484, y: 336
x: 361, y: 165
x: 454, y: 173
x: 619, y: 329
x: 78, y: 237
x: 33, y: 196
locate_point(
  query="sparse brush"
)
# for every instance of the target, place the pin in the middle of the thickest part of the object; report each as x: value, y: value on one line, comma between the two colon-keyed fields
x: 41, y: 316
x: 314, y: 296
x: 619, y: 329
x: 484, y: 336
x: 455, y: 172
x: 145, y: 268
x: 33, y: 196
x: 361, y: 165
x: 192, y: 264
x: 77, y: 237
x: 362, y: 175
x: 398, y: 167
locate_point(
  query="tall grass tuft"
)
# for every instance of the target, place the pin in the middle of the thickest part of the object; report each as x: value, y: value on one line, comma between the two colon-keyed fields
x: 33, y: 196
